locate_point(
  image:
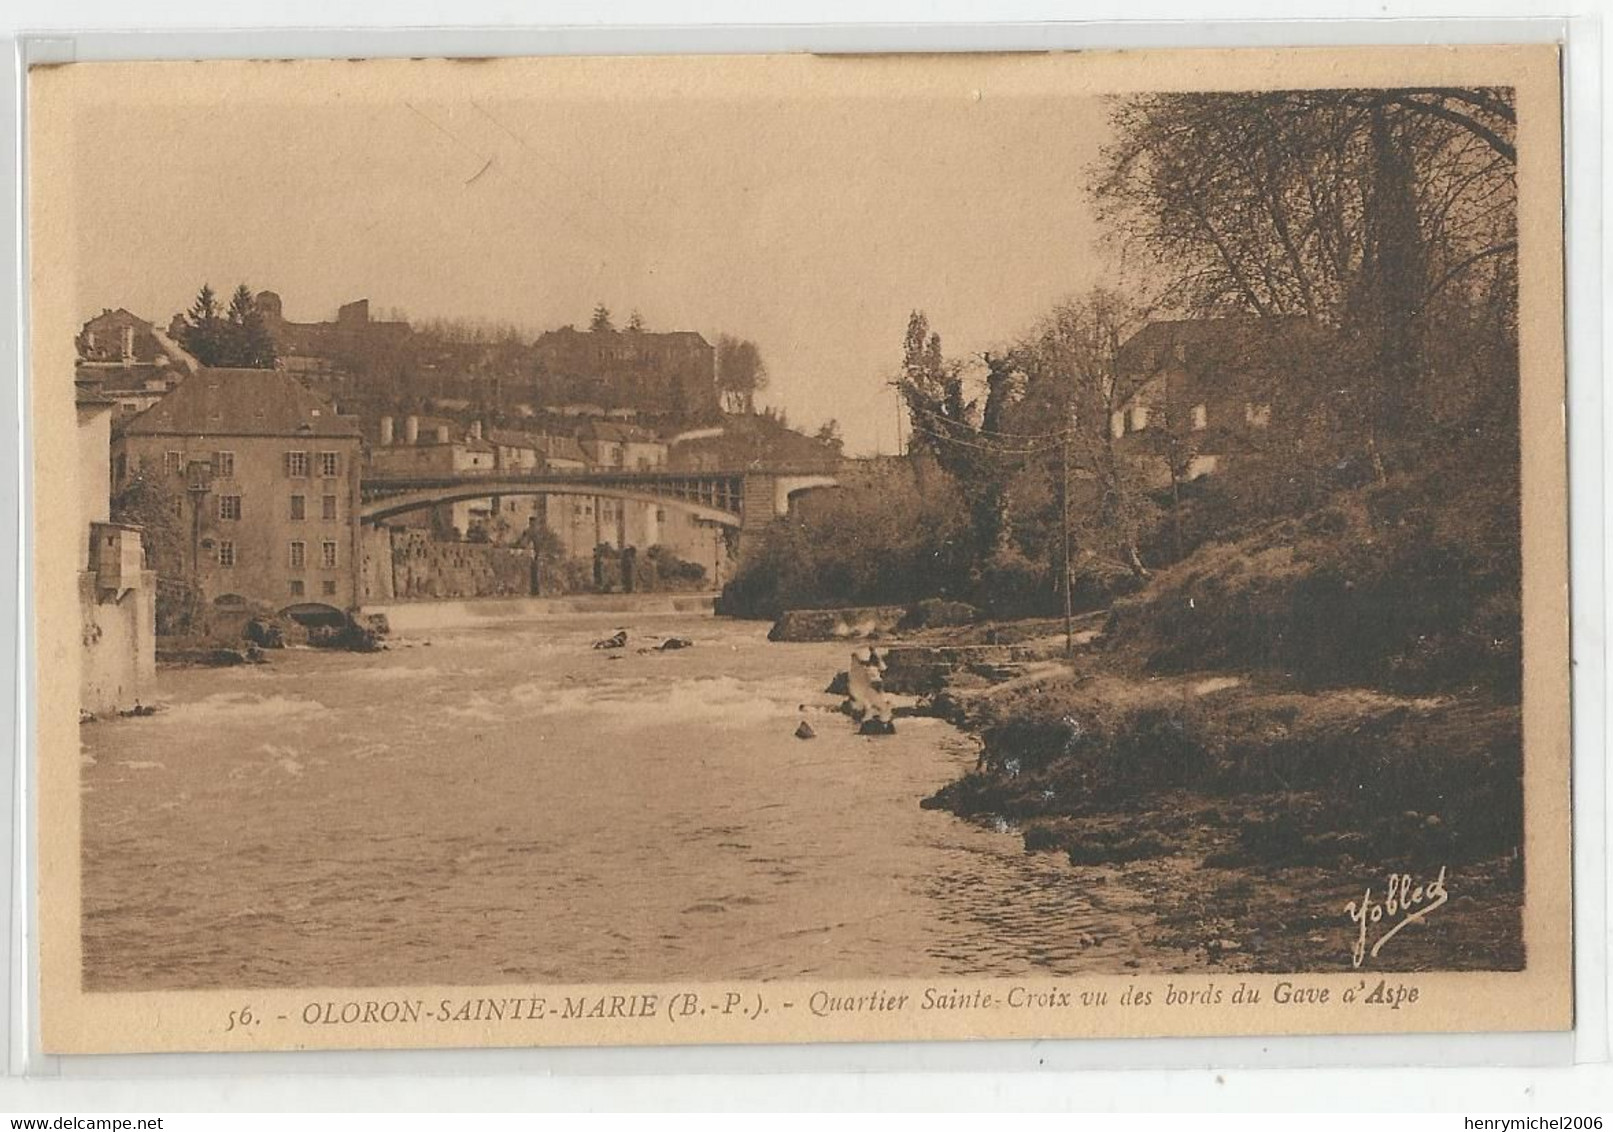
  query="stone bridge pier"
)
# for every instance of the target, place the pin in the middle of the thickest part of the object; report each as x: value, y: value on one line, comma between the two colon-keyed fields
x: 767, y: 496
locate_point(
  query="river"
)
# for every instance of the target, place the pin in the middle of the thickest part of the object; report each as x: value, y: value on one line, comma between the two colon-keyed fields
x: 506, y: 804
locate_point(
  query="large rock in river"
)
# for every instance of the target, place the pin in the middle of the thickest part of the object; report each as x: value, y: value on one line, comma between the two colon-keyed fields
x: 851, y: 623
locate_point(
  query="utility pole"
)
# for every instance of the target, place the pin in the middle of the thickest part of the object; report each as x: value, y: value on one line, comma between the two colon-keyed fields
x: 1064, y: 507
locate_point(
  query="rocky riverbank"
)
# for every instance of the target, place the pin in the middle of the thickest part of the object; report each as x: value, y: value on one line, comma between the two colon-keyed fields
x: 1249, y: 815
x: 1241, y: 813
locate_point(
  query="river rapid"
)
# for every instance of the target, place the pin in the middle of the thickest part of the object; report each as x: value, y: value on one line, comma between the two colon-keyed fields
x: 506, y: 804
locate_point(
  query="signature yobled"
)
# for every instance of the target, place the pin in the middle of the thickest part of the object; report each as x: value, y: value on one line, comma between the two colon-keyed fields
x: 1411, y: 903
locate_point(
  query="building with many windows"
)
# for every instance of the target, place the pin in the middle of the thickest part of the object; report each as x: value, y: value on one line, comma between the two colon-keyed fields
x: 265, y: 475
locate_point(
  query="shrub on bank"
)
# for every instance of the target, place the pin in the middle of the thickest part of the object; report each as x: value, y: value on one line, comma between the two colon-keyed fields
x: 664, y: 570
x: 891, y: 539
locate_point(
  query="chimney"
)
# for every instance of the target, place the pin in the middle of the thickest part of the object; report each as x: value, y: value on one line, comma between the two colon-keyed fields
x: 476, y: 430
x: 386, y: 431
x: 442, y: 434
x: 411, y: 429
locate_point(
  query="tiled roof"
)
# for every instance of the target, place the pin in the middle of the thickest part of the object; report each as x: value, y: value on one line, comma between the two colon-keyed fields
x: 621, y: 433
x: 565, y: 448
x: 511, y: 438
x: 242, y: 402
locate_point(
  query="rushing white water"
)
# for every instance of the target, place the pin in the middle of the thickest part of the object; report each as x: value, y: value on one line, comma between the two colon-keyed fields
x: 507, y: 804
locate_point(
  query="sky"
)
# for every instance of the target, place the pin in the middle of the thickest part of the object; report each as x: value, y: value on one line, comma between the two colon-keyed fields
x: 811, y: 223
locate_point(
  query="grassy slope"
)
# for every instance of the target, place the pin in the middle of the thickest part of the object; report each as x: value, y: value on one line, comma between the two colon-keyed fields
x: 1276, y: 723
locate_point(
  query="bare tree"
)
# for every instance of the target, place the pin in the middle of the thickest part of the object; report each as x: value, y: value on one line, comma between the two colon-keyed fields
x: 1077, y: 385
x: 1353, y: 208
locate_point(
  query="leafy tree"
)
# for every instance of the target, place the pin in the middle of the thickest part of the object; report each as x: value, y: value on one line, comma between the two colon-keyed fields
x: 879, y: 538
x: 1174, y: 436
x: 635, y: 322
x: 829, y: 434
x: 932, y: 389
x: 600, y: 322
x: 741, y: 373
x: 975, y: 462
x: 158, y: 510
x: 154, y: 507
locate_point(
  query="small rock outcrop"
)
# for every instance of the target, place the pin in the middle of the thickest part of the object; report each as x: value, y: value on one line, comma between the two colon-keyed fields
x: 938, y: 613
x: 852, y: 623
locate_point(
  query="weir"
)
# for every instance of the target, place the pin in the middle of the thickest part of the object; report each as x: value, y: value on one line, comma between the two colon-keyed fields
x: 423, y: 616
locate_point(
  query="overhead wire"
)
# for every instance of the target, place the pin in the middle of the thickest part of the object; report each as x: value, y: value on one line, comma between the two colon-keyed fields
x: 994, y: 449
x: 1028, y: 436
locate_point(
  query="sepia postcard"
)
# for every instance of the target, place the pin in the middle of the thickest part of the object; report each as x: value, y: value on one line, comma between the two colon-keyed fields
x: 640, y: 550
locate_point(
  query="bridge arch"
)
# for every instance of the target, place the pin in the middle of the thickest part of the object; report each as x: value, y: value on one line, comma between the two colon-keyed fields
x: 314, y: 614
x: 385, y: 507
x: 787, y: 489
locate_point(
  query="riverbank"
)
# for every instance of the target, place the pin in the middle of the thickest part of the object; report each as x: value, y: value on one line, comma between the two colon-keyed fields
x: 1246, y: 813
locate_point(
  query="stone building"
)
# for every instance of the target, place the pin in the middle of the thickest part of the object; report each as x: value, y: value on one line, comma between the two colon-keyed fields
x: 118, y: 337
x: 674, y: 372
x: 265, y: 474
x: 327, y: 354
x: 434, y: 446
x: 609, y: 444
x: 1213, y: 382
x: 117, y: 595
x: 130, y: 362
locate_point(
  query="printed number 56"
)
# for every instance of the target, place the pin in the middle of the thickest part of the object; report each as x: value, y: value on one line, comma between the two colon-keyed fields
x: 242, y: 1017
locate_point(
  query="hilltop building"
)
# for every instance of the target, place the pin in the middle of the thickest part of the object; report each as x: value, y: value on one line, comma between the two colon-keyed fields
x: 675, y: 372
x: 266, y: 474
x: 326, y: 354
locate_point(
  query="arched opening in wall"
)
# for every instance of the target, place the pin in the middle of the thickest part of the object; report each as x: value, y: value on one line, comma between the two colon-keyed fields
x: 230, y: 603
x: 794, y: 498
x: 314, y: 615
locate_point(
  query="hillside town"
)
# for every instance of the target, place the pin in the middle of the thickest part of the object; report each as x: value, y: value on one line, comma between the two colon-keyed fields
x: 235, y: 494
x: 245, y: 479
